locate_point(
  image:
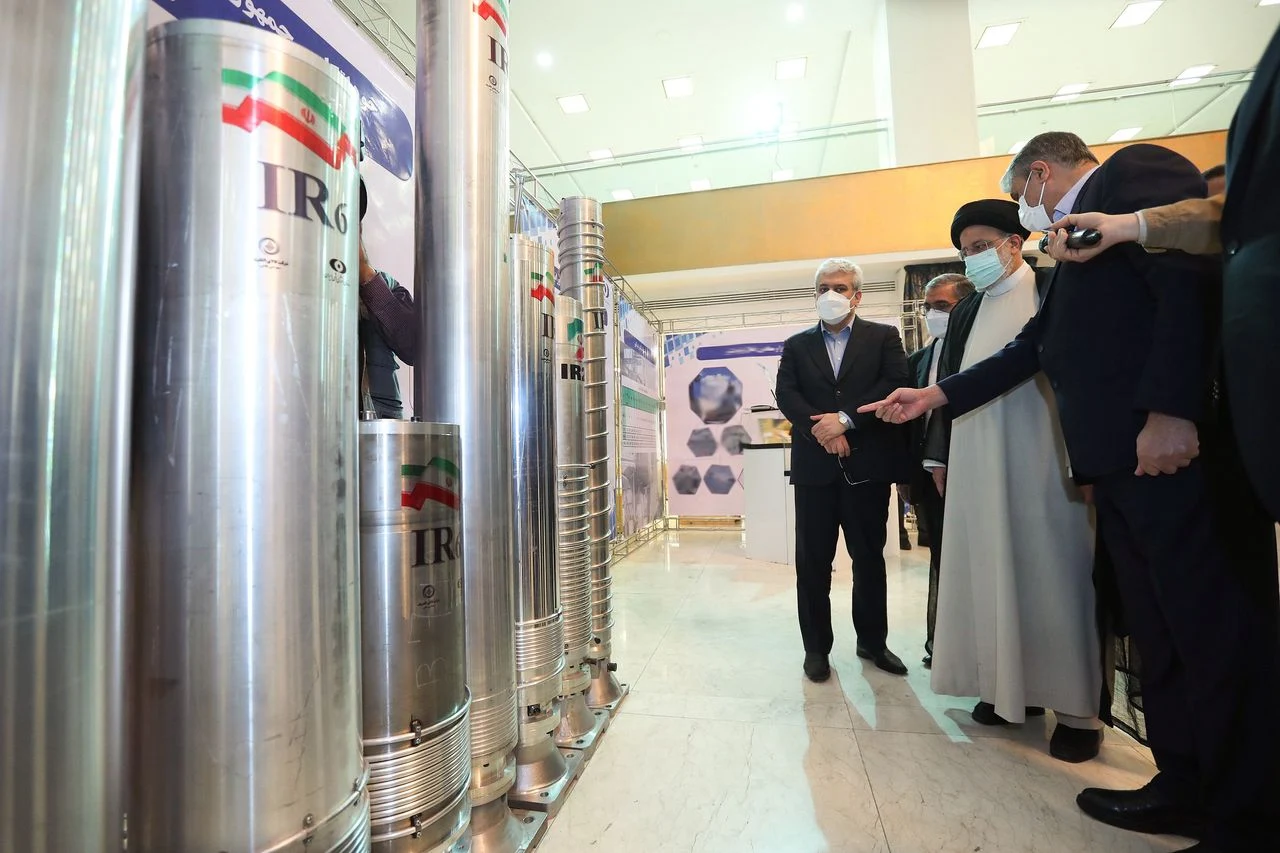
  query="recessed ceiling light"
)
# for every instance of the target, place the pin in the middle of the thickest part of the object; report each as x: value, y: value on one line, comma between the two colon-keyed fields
x: 699, y: 184
x: 600, y: 154
x: 1018, y: 146
x: 544, y: 59
x: 766, y: 116
x: 997, y: 36
x: 783, y: 175
x: 792, y: 69
x: 1137, y: 14
x: 1269, y: 2
x: 690, y: 143
x: 788, y: 131
x: 678, y: 87
x: 1070, y: 92
x: 623, y: 195
x: 795, y: 11
x: 573, y: 104
x: 1124, y: 134
x: 1194, y: 74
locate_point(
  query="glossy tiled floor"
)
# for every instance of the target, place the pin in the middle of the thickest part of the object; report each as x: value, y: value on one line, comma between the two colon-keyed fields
x: 724, y: 747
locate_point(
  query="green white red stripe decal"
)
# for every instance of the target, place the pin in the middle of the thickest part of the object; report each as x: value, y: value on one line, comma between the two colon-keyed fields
x: 576, y: 331
x: 436, y: 482
x: 540, y: 291
x: 496, y: 12
x: 254, y: 111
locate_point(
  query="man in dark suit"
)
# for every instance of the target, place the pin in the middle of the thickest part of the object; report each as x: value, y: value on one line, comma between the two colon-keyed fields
x: 1123, y: 343
x: 842, y: 463
x: 928, y: 482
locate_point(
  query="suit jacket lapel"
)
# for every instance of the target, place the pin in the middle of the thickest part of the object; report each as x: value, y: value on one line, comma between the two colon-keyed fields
x: 818, y: 352
x: 926, y: 361
x: 855, y: 340
x: 1265, y: 79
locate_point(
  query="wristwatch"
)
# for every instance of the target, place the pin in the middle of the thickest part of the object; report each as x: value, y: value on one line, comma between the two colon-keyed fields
x: 845, y: 419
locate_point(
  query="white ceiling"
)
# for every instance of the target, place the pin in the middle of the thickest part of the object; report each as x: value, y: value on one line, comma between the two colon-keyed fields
x: 617, y: 52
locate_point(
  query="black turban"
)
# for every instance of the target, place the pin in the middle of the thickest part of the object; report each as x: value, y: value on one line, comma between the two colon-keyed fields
x: 993, y: 212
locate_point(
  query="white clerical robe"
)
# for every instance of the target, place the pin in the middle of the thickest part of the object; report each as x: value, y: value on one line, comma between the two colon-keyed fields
x: 1016, y: 622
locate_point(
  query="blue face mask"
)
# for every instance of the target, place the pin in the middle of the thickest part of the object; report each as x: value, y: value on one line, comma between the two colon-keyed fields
x: 985, y: 268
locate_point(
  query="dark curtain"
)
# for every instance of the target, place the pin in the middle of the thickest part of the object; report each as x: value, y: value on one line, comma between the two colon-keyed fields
x: 918, y: 275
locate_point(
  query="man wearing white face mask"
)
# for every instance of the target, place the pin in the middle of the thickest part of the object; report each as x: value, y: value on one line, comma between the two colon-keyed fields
x: 941, y: 295
x: 842, y: 463
x: 1016, y: 616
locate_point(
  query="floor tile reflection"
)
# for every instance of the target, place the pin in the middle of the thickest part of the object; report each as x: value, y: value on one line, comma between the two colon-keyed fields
x: 723, y: 745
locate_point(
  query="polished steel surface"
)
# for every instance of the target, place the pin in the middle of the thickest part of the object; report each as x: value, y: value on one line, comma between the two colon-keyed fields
x: 413, y: 634
x: 247, y: 706
x: 573, y: 547
x: 70, y: 74
x: 467, y: 320
x: 581, y: 275
x: 539, y: 629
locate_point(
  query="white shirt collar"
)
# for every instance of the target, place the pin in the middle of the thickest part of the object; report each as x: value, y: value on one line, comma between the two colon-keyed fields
x: 1066, y: 207
x: 1009, y: 282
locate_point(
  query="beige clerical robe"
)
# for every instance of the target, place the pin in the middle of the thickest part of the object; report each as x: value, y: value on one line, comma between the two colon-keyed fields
x: 1016, y: 622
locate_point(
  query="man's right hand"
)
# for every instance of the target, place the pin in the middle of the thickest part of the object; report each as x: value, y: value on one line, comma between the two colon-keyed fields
x: 907, y: 404
x: 1115, y: 228
x: 940, y: 479
x: 367, y: 271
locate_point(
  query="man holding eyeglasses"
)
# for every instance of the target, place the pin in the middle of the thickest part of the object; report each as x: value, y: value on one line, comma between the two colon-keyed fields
x: 928, y: 484
x: 1016, y: 613
x: 842, y: 463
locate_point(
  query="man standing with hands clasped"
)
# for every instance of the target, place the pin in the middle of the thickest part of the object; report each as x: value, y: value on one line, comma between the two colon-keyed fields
x: 1123, y: 343
x: 842, y: 463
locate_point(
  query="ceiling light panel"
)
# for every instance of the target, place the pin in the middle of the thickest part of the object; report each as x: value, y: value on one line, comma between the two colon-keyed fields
x: 1194, y: 74
x: 997, y: 36
x: 572, y: 104
x: 795, y: 12
x: 1018, y: 146
x: 600, y: 154
x: 690, y: 143
x: 783, y: 175
x: 623, y: 195
x: 1124, y: 134
x: 1137, y: 14
x: 678, y: 87
x: 544, y: 59
x: 699, y: 184
x: 1070, y: 92
x: 792, y: 69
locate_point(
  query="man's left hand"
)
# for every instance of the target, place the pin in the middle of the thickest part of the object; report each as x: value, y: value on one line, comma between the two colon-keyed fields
x: 1166, y: 444
x: 838, y: 446
x: 827, y: 427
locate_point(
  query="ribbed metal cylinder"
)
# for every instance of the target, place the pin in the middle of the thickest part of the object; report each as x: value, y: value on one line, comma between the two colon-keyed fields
x: 581, y: 257
x: 539, y: 626
x: 247, y: 706
x: 574, y: 528
x: 69, y: 114
x: 466, y: 321
x: 416, y: 730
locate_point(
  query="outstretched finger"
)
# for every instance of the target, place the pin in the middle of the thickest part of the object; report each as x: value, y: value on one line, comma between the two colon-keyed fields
x: 872, y: 407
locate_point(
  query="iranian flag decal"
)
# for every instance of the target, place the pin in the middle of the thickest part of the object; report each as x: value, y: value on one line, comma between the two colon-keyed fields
x: 540, y: 291
x: 286, y: 104
x: 437, y: 481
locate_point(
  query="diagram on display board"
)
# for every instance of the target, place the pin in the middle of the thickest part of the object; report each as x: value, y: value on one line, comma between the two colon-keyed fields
x: 713, y: 379
x: 639, y: 464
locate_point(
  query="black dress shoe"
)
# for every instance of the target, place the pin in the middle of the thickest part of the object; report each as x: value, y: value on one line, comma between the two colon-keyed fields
x: 1145, y: 810
x: 816, y: 667
x: 1075, y: 746
x: 927, y: 660
x: 984, y: 714
x: 883, y: 659
x: 904, y: 544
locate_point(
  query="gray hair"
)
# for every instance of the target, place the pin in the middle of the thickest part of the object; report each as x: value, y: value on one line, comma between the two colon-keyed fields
x: 839, y: 265
x: 963, y: 286
x: 1065, y: 149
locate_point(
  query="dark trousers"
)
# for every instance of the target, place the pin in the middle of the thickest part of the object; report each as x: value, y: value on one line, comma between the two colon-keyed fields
x: 929, y: 511
x: 1194, y: 556
x: 862, y: 512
